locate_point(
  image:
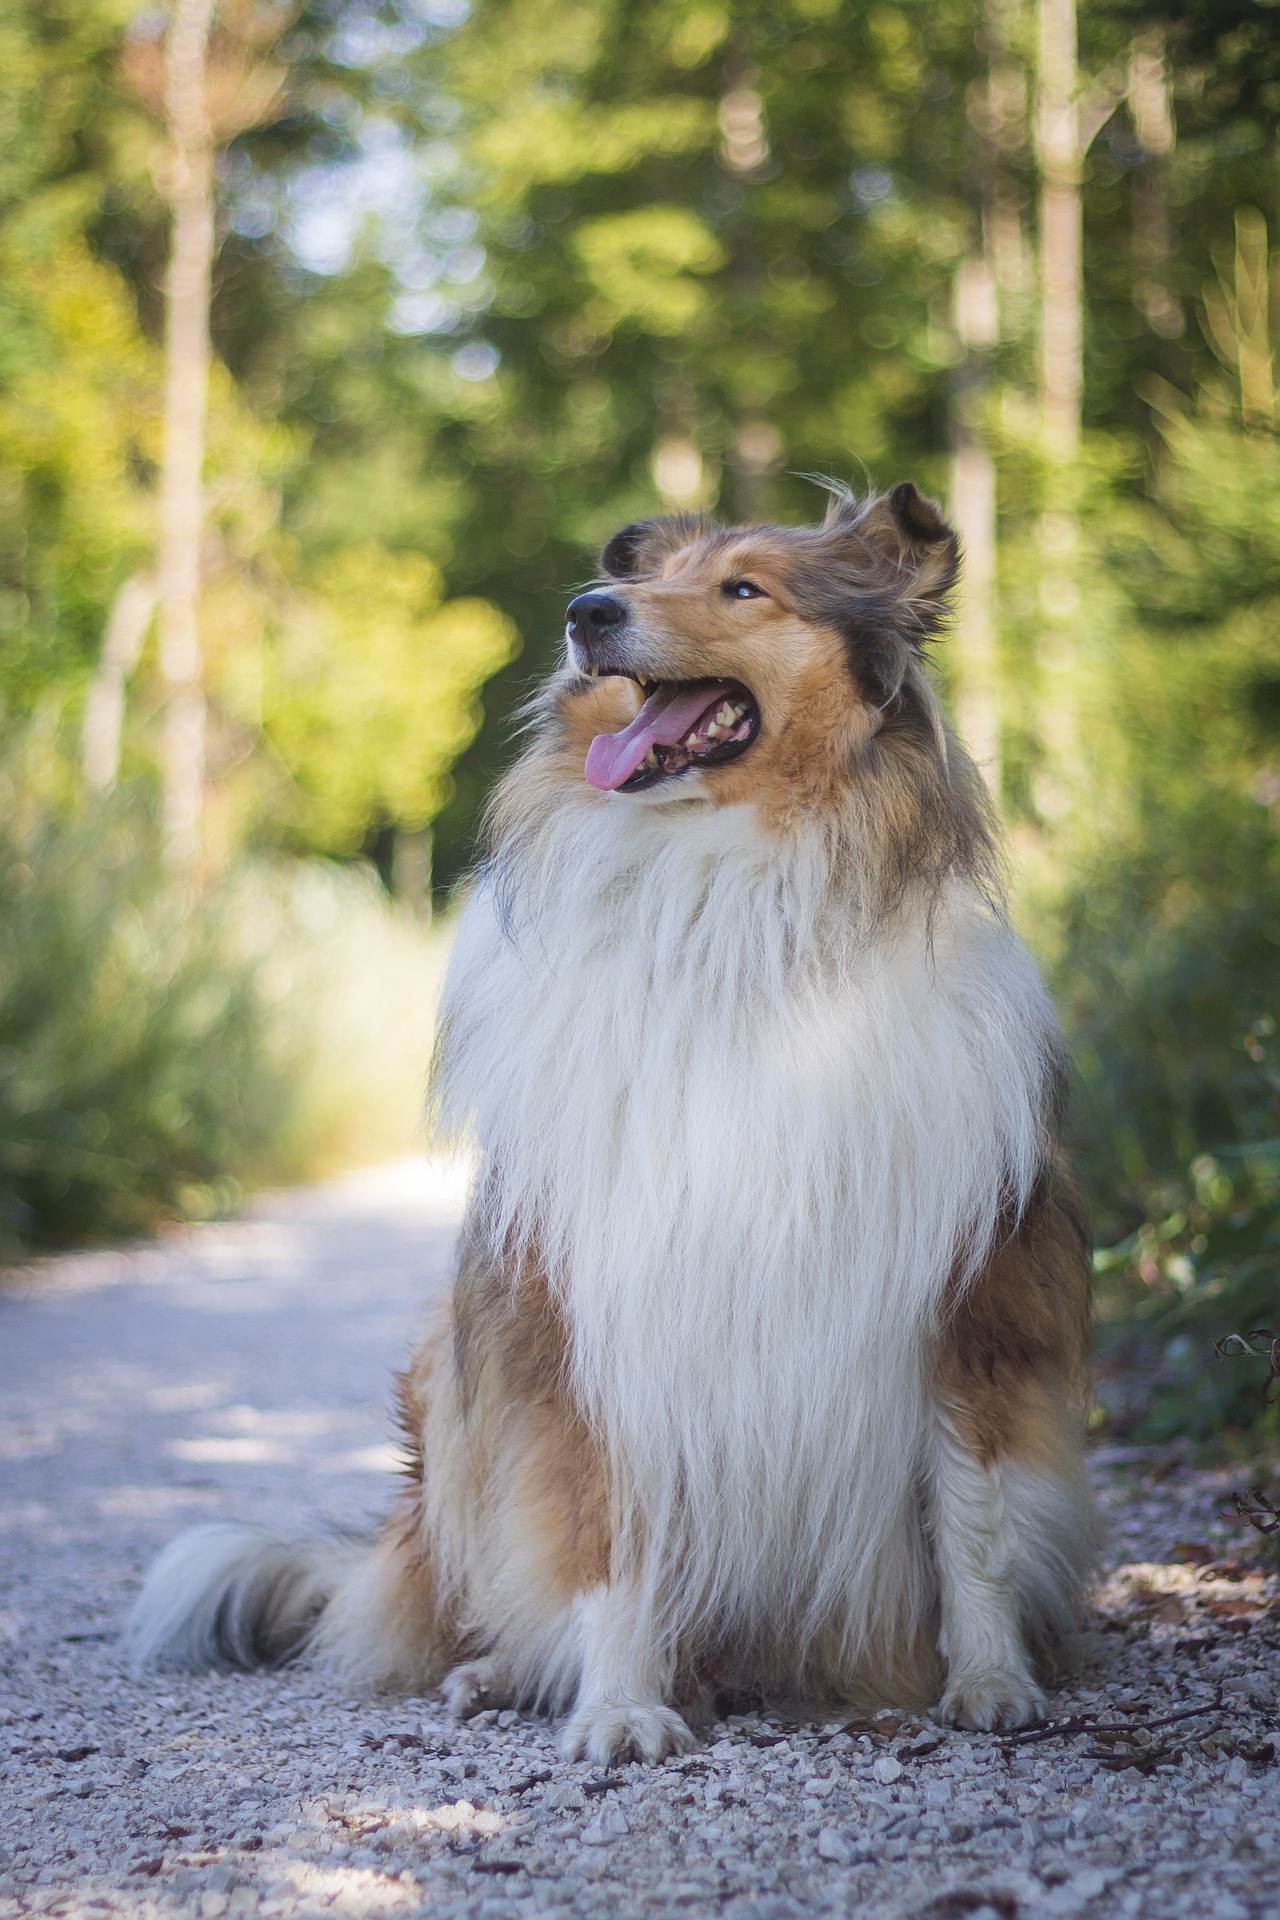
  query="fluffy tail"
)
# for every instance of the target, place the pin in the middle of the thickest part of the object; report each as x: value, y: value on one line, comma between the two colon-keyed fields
x: 227, y: 1596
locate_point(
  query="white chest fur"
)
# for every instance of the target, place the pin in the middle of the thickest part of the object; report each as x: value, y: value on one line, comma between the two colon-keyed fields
x: 752, y: 1142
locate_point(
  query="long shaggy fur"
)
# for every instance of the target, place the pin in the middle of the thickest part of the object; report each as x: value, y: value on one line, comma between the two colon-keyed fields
x: 221, y: 1597
x: 763, y: 1365
x: 751, y: 1095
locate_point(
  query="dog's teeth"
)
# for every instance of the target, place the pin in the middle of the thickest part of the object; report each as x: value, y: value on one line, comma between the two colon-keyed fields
x: 726, y: 715
x: 713, y: 731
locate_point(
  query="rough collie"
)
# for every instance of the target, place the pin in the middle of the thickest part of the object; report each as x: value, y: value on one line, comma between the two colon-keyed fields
x: 762, y: 1367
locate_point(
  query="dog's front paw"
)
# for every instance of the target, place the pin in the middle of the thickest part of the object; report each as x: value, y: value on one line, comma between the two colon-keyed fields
x: 471, y: 1688
x: 987, y: 1700
x: 624, y: 1730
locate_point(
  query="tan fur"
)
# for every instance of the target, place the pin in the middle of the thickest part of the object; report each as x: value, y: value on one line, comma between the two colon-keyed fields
x: 1015, y: 1350
x: 505, y: 1516
x: 510, y: 1352
x: 823, y: 750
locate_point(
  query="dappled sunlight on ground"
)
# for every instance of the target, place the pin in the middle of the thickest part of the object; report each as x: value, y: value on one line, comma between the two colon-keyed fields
x: 150, y: 1385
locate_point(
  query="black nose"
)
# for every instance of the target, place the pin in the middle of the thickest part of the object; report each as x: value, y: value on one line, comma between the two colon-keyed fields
x: 592, y: 613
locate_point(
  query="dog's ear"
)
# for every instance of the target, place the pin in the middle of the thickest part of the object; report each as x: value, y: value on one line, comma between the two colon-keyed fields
x: 879, y: 572
x: 645, y: 544
x: 621, y: 555
x: 908, y: 549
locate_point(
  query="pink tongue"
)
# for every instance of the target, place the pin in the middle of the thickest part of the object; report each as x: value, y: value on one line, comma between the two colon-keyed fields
x: 662, y: 721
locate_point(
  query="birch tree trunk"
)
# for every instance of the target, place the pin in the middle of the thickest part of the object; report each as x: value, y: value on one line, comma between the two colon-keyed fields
x: 1059, y: 154
x: 973, y: 509
x: 189, y: 184
x: 131, y: 615
x: 987, y: 284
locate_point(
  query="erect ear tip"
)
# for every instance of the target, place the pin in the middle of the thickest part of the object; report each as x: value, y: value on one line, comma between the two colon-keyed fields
x: 918, y: 517
x: 618, y: 558
x: 641, y: 546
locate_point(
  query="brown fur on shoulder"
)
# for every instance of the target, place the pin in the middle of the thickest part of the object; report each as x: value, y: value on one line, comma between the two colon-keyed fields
x: 1019, y: 1334
x: 511, y: 1352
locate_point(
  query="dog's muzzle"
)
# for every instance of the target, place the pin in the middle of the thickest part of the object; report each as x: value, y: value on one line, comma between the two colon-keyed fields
x: 593, y: 622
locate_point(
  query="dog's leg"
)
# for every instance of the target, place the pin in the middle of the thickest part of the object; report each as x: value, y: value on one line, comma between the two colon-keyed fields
x: 519, y: 1492
x: 627, y: 1672
x: 1010, y: 1513
x: 974, y: 1526
x: 473, y: 1687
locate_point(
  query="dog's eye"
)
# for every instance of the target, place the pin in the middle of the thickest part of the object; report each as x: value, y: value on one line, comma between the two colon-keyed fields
x: 742, y: 590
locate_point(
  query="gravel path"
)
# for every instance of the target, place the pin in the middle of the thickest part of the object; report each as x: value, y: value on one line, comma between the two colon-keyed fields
x: 241, y: 1371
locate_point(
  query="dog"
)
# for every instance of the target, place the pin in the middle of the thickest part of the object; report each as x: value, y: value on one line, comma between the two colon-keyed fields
x: 762, y: 1371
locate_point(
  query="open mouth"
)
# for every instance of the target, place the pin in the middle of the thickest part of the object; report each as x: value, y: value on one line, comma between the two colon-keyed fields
x: 682, y: 724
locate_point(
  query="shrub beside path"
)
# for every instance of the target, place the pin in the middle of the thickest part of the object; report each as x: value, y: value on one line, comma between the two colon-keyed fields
x: 242, y: 1370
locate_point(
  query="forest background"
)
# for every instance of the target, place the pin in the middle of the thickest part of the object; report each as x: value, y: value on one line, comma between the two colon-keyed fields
x: 482, y: 284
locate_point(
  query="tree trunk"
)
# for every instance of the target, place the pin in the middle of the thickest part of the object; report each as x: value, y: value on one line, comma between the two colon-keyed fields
x: 187, y: 290
x: 973, y: 509
x: 1061, y: 244
x: 1151, y: 111
x: 131, y: 614
x: 987, y: 284
x: 1059, y: 157
x: 411, y: 870
x: 1002, y: 107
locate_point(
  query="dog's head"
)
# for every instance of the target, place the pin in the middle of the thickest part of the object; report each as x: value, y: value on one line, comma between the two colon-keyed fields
x: 728, y: 662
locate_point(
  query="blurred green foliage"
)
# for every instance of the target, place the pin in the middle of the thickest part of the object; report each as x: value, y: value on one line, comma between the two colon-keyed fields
x: 137, y: 1072
x: 163, y: 1050
x: 368, y: 696
x: 288, y: 626
x: 1178, y: 1289
x: 1162, y: 925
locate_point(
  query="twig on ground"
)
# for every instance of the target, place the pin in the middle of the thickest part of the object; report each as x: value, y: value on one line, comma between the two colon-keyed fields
x: 1114, y: 1729
x: 1258, y: 1509
x: 1260, y: 1344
